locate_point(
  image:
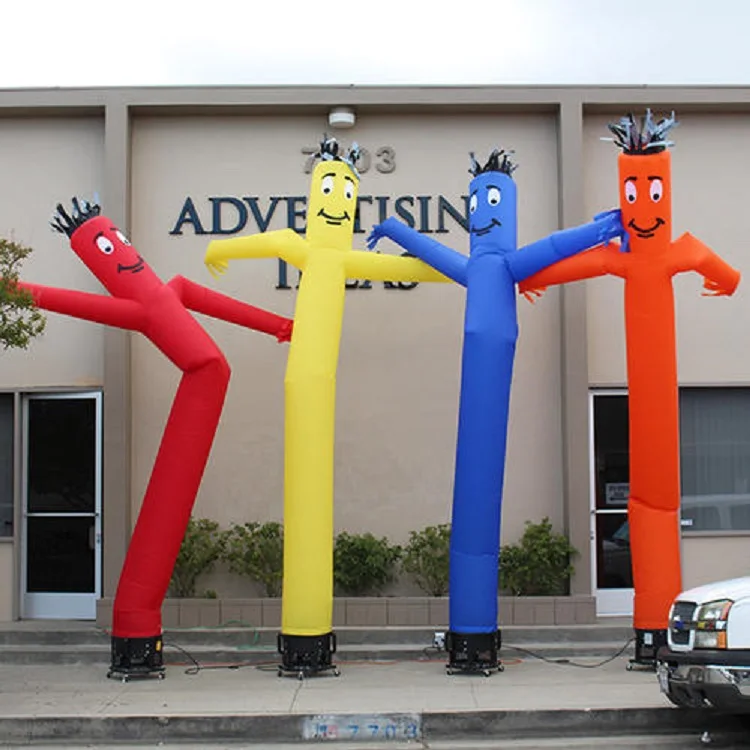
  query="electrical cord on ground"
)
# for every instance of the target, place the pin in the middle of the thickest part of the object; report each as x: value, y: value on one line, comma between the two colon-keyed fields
x: 428, y: 652
x: 568, y: 662
x: 198, y: 667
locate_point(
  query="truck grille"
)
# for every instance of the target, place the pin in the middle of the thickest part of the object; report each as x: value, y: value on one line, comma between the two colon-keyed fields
x: 679, y: 627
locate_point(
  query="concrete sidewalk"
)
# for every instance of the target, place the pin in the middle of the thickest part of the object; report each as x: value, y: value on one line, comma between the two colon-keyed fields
x: 370, y: 701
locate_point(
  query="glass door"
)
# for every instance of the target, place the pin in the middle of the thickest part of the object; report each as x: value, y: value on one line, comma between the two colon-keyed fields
x: 610, y: 476
x: 61, y: 490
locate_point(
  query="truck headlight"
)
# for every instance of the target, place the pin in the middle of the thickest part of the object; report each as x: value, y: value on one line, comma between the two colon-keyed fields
x: 711, y: 624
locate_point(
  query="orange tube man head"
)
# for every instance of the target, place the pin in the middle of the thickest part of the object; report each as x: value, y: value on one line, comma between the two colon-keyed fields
x: 644, y: 168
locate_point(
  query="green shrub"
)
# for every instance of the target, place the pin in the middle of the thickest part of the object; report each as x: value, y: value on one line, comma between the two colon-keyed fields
x: 426, y: 558
x: 20, y: 319
x: 363, y: 564
x: 201, y: 547
x: 539, y: 564
x: 257, y: 551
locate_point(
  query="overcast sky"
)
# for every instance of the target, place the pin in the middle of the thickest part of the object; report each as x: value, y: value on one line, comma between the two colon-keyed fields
x: 161, y: 42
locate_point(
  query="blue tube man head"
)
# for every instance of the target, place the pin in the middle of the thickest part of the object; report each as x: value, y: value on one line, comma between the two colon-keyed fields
x: 493, y: 206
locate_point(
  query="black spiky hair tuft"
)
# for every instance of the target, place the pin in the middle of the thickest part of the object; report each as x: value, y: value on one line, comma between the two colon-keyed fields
x: 641, y: 138
x: 330, y: 151
x: 68, y: 223
x: 498, y: 161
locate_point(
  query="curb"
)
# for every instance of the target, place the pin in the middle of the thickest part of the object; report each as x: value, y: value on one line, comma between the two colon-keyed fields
x: 422, y: 726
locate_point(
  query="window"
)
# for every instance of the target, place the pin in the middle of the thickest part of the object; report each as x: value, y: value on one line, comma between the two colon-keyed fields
x: 715, y: 458
x: 6, y: 464
x: 612, y: 476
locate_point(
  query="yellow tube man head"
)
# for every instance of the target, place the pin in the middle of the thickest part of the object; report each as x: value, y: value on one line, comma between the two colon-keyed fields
x: 332, y: 203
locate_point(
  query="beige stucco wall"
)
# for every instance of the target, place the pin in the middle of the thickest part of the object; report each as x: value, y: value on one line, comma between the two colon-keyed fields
x: 399, y: 368
x: 7, y: 580
x: 45, y: 162
x: 710, y: 163
x: 712, y: 558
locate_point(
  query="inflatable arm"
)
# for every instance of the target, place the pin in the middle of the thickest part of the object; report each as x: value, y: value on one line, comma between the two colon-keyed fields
x: 284, y: 243
x: 441, y: 258
x: 217, y: 305
x: 599, y: 261
x: 693, y: 255
x: 98, y: 308
x: 376, y: 267
x: 538, y: 255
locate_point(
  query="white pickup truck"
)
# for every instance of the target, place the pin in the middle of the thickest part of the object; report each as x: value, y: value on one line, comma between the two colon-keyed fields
x: 707, y: 657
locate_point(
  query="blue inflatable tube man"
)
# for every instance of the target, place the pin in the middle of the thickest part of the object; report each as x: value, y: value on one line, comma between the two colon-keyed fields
x: 490, y: 273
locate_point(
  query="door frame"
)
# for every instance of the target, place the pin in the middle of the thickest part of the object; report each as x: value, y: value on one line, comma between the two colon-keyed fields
x: 51, y: 605
x: 609, y: 602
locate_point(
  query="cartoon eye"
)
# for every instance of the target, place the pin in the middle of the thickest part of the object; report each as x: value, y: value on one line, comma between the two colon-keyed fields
x: 656, y: 190
x: 473, y: 203
x: 105, y: 244
x: 122, y: 237
x: 348, y: 189
x: 327, y: 185
x: 493, y: 196
x: 630, y: 192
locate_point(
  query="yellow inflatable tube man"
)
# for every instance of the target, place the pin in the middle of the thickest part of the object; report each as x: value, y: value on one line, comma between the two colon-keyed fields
x: 327, y: 260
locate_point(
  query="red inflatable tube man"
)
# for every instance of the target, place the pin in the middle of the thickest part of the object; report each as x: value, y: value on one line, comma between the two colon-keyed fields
x: 141, y: 302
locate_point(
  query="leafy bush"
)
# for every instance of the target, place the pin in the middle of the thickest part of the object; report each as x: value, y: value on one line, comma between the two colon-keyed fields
x: 426, y: 558
x: 539, y: 564
x: 201, y: 547
x: 363, y: 564
x: 257, y: 551
x: 20, y: 319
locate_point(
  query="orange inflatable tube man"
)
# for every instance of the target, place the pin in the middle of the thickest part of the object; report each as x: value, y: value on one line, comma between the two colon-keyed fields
x: 647, y: 261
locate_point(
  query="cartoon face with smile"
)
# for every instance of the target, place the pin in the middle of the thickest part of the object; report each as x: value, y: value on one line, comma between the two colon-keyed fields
x: 332, y: 205
x: 492, y: 212
x: 112, y: 259
x: 645, y: 196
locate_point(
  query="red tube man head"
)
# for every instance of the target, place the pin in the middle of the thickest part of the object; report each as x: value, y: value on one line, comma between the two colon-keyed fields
x: 106, y: 251
x: 644, y: 168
